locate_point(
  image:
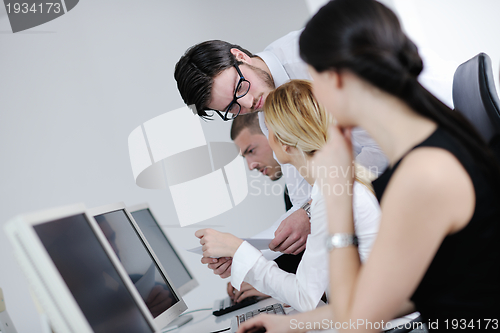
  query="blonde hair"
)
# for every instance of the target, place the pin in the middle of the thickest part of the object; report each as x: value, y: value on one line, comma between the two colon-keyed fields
x: 298, y: 120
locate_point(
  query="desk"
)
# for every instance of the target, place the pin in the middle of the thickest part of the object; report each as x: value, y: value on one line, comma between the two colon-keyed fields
x: 206, y: 322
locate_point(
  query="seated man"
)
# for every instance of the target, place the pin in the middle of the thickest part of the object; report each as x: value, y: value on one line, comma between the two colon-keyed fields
x: 254, y: 147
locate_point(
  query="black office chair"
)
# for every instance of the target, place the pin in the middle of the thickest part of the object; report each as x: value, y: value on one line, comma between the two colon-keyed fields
x: 475, y: 96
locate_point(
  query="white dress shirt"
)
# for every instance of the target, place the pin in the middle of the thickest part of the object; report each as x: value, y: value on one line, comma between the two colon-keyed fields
x: 282, y: 57
x: 304, y: 289
x: 283, y: 60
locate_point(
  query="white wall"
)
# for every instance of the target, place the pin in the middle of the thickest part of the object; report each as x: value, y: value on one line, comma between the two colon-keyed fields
x: 455, y: 30
x: 449, y: 31
x: 73, y: 89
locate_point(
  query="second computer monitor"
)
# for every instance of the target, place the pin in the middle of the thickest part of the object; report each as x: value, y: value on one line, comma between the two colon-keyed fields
x: 140, y: 262
x: 181, y: 277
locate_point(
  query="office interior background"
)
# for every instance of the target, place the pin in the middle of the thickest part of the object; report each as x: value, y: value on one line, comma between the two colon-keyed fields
x: 73, y: 89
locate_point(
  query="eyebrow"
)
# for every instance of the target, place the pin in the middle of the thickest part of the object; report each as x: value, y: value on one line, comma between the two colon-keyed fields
x: 246, y: 151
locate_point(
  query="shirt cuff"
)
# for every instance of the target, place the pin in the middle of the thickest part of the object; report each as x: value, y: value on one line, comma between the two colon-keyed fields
x: 244, y: 259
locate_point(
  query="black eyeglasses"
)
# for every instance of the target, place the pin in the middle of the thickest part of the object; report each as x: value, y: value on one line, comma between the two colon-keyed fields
x: 234, y: 108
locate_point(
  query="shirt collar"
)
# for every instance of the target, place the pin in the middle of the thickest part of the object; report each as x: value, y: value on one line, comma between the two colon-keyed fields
x: 278, y: 72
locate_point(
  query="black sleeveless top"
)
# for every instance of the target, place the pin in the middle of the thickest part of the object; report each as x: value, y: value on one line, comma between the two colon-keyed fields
x: 463, y: 280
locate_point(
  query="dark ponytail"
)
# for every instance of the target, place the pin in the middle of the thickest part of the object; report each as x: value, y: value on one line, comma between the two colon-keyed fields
x: 365, y: 37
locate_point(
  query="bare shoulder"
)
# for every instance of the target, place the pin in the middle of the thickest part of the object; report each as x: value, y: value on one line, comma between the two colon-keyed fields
x: 435, y: 180
x: 429, y: 167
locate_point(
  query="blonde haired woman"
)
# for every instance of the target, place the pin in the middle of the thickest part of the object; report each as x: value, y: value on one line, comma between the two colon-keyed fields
x: 297, y: 129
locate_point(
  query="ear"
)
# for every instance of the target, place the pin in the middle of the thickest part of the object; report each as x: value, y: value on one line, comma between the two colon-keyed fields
x: 240, y: 55
x: 287, y: 149
x: 335, y: 78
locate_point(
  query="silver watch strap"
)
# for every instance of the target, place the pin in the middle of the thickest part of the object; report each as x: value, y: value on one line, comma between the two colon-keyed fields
x: 307, y: 208
x: 340, y: 240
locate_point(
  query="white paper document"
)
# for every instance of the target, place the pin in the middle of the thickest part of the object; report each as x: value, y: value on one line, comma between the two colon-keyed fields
x: 258, y: 243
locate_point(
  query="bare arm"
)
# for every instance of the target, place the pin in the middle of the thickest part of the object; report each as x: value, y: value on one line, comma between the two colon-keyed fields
x: 422, y: 205
x: 429, y: 196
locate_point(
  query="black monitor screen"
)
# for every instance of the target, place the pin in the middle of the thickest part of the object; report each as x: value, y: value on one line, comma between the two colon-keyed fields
x: 162, y: 247
x: 91, y: 276
x: 140, y: 266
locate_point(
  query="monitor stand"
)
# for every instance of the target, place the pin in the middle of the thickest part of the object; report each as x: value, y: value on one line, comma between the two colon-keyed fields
x: 178, y: 322
x: 6, y: 325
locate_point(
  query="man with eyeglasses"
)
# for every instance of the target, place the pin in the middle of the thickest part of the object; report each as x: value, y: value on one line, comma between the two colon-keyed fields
x: 219, y: 78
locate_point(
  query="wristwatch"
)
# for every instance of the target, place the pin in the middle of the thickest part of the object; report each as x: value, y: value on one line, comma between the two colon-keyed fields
x: 337, y: 241
x: 307, y: 208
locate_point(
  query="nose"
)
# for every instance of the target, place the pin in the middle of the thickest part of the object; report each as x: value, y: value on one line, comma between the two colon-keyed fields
x: 246, y: 103
x: 252, y: 164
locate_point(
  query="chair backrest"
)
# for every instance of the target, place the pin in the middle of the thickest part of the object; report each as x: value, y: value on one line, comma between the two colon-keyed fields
x: 475, y: 96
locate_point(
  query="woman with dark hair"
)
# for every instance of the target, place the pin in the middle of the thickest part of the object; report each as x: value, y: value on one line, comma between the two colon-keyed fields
x: 437, y: 245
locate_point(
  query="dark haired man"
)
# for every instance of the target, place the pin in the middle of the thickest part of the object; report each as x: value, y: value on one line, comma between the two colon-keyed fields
x: 223, y: 78
x: 254, y: 147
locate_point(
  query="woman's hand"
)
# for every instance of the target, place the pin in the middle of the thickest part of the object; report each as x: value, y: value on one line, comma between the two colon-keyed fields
x: 217, y: 244
x: 246, y: 290
x: 272, y: 324
x: 335, y: 161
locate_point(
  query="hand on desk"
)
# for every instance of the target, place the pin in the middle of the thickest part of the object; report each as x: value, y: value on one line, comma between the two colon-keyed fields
x: 220, y: 266
x: 245, y: 291
x: 272, y: 324
x: 291, y: 235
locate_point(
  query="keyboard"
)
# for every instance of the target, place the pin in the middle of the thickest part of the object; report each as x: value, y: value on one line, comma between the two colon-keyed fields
x: 270, y: 309
x: 226, y: 306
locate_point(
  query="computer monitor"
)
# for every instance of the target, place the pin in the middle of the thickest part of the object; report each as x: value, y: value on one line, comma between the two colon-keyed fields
x: 75, y: 274
x: 140, y: 262
x: 181, y: 277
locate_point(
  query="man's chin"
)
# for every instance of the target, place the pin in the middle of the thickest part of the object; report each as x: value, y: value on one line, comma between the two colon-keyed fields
x: 275, y: 177
x: 242, y: 113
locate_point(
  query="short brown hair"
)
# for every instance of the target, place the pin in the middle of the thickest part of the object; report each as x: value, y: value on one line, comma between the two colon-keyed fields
x: 249, y: 120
